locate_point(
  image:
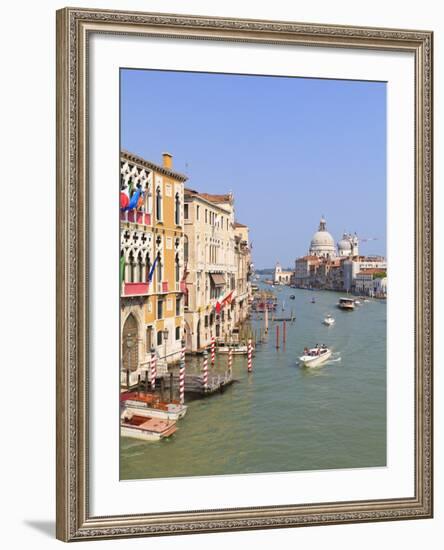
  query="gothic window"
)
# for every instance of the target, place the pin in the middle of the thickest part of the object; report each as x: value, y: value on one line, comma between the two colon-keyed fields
x: 132, y: 267
x: 159, y: 269
x: 177, y: 209
x: 139, y: 269
x: 177, y: 267
x: 158, y: 204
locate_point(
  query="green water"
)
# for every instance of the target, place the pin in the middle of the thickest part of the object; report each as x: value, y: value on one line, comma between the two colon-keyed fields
x: 283, y: 417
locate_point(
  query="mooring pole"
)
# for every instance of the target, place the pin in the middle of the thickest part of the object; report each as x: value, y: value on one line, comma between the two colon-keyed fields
x: 284, y: 332
x: 277, y: 336
x: 250, y: 353
x: 153, y: 368
x: 205, y: 370
x: 171, y: 386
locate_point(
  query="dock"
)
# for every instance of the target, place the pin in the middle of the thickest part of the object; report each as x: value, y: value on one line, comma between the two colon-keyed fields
x: 217, y: 383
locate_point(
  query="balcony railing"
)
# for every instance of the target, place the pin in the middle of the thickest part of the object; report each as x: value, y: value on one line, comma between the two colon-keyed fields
x: 162, y: 287
x: 135, y: 289
x: 135, y: 216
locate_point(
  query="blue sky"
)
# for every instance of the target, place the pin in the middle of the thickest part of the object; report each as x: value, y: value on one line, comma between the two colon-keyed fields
x: 290, y: 149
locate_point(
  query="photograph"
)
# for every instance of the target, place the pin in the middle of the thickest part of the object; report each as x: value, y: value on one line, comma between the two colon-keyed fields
x: 253, y: 274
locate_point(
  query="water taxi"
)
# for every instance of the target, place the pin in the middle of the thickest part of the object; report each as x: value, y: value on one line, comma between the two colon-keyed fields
x: 329, y: 320
x: 313, y: 357
x: 347, y: 304
x: 149, y: 405
x: 145, y: 428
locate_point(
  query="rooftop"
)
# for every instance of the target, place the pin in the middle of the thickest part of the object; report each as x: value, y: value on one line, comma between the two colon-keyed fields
x: 152, y: 166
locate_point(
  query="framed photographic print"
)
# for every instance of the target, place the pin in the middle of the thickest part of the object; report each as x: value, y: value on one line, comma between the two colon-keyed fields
x: 244, y: 274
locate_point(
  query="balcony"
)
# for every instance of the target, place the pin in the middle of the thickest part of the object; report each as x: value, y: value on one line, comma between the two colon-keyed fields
x: 162, y: 287
x: 135, y: 216
x: 135, y: 289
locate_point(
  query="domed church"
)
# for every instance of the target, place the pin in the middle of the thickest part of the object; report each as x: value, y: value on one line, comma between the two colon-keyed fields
x: 322, y: 243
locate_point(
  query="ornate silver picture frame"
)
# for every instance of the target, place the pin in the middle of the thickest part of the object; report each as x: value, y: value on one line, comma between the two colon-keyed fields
x: 74, y: 518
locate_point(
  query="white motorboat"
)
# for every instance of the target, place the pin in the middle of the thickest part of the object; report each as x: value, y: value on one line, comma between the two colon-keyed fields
x: 329, y: 320
x: 313, y: 357
x: 357, y: 302
x: 145, y: 428
x: 347, y: 304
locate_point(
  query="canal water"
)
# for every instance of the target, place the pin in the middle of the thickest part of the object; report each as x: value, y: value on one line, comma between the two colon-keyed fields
x: 284, y: 417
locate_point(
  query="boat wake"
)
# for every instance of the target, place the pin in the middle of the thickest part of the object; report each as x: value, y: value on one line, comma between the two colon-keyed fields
x: 335, y: 358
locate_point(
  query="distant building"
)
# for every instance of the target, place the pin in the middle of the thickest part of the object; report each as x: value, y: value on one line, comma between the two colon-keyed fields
x: 306, y: 270
x: 371, y: 282
x: 352, y: 266
x: 326, y: 268
x: 282, y: 277
x: 243, y: 291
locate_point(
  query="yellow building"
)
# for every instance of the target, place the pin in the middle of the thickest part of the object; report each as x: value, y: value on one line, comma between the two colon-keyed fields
x: 151, y: 264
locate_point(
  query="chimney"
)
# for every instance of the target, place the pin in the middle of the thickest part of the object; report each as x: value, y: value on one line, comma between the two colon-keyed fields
x: 167, y: 161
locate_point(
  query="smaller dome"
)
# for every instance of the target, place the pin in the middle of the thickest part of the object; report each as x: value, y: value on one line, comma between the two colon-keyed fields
x: 344, y: 244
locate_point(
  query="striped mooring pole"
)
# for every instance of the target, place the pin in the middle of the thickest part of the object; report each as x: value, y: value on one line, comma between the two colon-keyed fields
x: 153, y: 369
x: 182, y: 374
x: 213, y: 349
x: 230, y: 361
x: 250, y: 353
x: 182, y: 351
x: 205, y: 370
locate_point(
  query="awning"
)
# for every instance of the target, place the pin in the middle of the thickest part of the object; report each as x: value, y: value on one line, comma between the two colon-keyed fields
x: 218, y: 279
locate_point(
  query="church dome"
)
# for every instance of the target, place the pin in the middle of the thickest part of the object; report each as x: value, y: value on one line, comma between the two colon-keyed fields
x: 322, y: 243
x: 321, y: 239
x: 344, y: 243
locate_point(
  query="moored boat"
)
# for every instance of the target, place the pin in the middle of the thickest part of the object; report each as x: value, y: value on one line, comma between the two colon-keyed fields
x: 145, y: 428
x: 313, y: 357
x: 348, y: 304
x: 149, y: 405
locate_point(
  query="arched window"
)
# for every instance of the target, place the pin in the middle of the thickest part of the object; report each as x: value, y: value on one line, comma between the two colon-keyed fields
x: 177, y: 209
x: 159, y: 269
x: 131, y: 267
x: 139, y: 269
x: 148, y: 268
x: 177, y: 268
x: 158, y: 204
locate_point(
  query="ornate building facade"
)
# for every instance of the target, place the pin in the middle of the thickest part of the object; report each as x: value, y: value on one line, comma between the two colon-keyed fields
x: 151, y: 263
x: 218, y: 260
